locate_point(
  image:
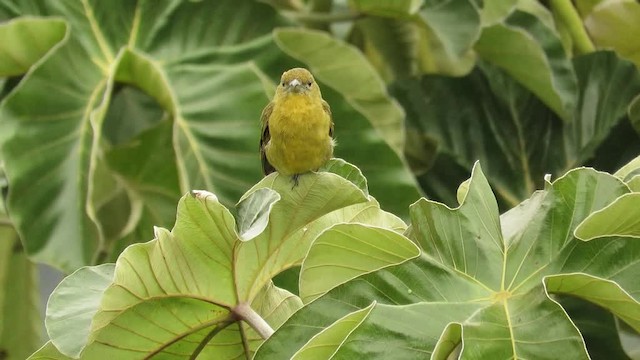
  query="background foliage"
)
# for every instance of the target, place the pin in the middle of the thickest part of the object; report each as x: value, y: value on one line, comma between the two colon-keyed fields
x: 111, y: 111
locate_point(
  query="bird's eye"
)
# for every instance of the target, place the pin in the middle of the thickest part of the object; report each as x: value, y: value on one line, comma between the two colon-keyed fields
x: 283, y: 83
x: 309, y: 84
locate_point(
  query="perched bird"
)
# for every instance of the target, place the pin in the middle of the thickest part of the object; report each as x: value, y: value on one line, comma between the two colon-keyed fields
x: 297, y: 130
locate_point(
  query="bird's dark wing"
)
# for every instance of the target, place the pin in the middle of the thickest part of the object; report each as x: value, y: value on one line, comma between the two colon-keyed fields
x: 267, y: 168
x: 327, y: 109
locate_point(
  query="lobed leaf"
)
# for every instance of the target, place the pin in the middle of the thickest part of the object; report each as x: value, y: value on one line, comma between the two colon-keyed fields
x: 483, y: 281
x: 162, y: 300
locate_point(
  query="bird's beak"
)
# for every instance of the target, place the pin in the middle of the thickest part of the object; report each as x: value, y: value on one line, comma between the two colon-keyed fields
x: 296, y: 86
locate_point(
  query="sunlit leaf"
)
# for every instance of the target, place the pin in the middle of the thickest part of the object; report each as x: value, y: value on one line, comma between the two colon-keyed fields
x: 620, y: 218
x: 616, y: 24
x: 484, y: 281
x: 23, y: 41
x: 72, y: 306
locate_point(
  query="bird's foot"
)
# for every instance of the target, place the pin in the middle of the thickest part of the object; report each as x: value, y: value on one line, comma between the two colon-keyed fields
x: 295, y: 181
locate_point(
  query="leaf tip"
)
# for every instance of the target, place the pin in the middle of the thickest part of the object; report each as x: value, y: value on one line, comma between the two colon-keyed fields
x: 203, y: 195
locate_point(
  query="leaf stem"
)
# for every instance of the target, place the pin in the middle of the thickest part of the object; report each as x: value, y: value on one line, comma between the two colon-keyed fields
x: 568, y: 15
x: 322, y: 17
x: 246, y: 313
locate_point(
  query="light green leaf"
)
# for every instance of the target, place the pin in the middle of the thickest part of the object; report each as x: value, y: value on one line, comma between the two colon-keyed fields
x: 491, y: 275
x: 48, y: 352
x: 23, y: 41
x: 112, y: 167
x: 448, y: 31
x: 73, y: 304
x: 169, y: 278
x: 616, y: 24
x: 603, y: 292
x: 456, y: 24
x: 449, y: 342
x: 629, y: 170
x: 376, y: 248
x: 532, y: 53
x: 21, y: 330
x: 495, y: 11
x: 388, y: 7
x: 585, y: 7
x: 325, y: 344
x: 347, y: 171
x: 634, y: 183
x: 211, y: 143
x: 620, y: 218
x: 253, y: 212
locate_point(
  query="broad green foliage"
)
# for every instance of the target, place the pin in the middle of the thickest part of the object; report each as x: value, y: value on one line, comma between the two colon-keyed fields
x: 110, y: 165
x: 186, y: 291
x: 483, y: 280
x: 110, y: 111
x: 518, y: 139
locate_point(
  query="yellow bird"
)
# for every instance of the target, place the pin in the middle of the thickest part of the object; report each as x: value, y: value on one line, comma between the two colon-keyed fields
x: 297, y: 130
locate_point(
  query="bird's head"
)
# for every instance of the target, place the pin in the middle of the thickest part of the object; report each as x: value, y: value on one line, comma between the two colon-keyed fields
x: 297, y: 81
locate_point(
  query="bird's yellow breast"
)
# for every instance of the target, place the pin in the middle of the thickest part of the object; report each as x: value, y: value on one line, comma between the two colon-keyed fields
x: 299, y: 129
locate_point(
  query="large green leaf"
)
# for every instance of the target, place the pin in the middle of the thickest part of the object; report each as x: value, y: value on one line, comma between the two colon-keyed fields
x: 447, y: 32
x: 109, y: 168
x: 376, y: 248
x: 532, y: 53
x: 620, y: 218
x: 24, y: 41
x: 518, y: 139
x: 483, y: 281
x: 66, y: 125
x: 162, y: 301
x: 616, y: 24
